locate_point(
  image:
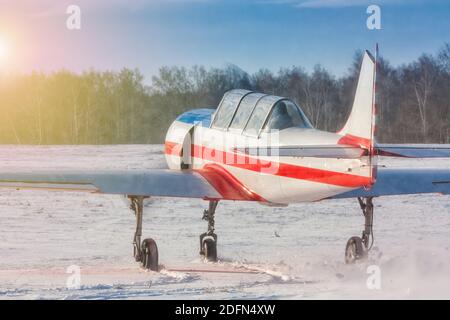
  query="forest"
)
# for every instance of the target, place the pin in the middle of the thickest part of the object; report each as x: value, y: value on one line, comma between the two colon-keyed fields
x: 104, y: 107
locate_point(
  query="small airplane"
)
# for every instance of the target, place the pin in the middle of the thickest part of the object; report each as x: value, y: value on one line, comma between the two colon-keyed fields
x: 261, y: 148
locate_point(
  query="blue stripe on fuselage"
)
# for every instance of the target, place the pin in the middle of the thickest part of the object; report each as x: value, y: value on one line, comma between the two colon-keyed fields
x: 197, y: 116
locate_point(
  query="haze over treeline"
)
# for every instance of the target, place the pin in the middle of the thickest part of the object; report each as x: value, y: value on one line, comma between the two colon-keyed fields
x: 118, y: 108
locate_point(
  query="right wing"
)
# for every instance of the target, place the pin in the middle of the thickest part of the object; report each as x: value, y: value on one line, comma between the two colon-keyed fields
x: 401, y: 181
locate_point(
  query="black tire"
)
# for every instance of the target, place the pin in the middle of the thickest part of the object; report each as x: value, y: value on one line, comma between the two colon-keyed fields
x: 202, y: 236
x: 210, y: 248
x: 355, y: 250
x: 149, y: 255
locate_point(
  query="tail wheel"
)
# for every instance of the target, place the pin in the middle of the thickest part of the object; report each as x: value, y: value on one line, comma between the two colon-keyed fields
x: 209, y: 246
x: 355, y: 250
x: 149, y: 255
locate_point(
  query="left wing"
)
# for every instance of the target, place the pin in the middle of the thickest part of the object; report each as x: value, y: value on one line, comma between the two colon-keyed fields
x: 154, y: 182
x: 210, y: 183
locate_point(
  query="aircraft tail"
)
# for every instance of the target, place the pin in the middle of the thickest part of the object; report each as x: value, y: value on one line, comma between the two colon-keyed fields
x: 360, y: 126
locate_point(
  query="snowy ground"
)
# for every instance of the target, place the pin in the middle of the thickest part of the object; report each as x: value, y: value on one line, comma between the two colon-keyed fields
x: 281, y: 253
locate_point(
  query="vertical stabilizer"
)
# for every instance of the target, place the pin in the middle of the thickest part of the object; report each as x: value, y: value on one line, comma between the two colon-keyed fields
x: 359, y: 128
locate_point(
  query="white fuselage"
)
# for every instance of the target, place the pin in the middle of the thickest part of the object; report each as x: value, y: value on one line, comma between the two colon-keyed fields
x: 273, y: 178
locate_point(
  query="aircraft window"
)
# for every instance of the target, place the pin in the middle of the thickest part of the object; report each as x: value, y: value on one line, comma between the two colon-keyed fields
x: 244, y: 110
x: 226, y: 110
x: 285, y: 114
x: 259, y: 114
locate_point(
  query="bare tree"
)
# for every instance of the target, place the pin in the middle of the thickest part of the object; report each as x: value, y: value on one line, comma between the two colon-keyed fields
x: 422, y: 76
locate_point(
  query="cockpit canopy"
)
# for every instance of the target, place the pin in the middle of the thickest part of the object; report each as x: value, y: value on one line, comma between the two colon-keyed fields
x: 253, y: 113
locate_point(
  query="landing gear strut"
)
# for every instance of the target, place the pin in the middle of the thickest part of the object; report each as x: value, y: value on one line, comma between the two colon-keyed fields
x: 208, y: 240
x: 146, y: 252
x: 358, y: 247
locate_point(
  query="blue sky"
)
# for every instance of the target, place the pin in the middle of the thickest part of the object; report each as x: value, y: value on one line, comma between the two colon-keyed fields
x: 253, y: 34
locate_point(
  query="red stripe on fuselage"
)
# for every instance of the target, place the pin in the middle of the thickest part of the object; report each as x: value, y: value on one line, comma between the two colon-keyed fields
x: 280, y: 169
x: 173, y: 148
x: 227, y: 185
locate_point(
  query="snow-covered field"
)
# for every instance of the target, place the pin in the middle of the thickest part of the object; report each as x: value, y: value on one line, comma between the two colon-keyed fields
x: 266, y: 253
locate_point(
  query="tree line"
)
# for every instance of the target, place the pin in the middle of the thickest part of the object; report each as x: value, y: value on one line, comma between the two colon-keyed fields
x: 118, y: 108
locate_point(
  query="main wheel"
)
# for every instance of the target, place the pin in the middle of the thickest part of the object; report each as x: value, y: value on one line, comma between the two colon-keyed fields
x: 203, y: 236
x: 209, y: 246
x: 149, y: 255
x: 355, y: 250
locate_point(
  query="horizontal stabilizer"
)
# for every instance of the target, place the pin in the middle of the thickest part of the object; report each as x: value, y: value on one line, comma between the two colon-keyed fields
x: 318, y: 151
x: 413, y: 150
x: 341, y: 151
